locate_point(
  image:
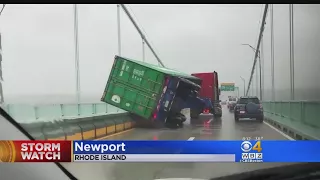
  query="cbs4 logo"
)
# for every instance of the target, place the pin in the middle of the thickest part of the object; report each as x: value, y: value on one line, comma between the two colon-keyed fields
x: 247, y: 146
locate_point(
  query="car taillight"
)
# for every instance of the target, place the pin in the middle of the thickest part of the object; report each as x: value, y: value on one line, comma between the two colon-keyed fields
x: 205, y: 110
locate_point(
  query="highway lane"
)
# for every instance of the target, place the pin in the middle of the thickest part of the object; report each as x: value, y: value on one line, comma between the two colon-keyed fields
x: 215, y: 129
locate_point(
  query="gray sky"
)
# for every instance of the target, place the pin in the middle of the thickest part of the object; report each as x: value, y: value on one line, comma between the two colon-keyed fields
x: 38, y: 42
x: 38, y: 48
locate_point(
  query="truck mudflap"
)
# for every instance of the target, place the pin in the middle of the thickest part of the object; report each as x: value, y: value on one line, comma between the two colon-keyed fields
x: 198, y: 104
x: 208, y: 107
x: 217, y: 110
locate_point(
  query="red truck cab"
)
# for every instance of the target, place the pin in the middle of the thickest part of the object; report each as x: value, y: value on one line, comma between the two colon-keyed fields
x: 209, y: 89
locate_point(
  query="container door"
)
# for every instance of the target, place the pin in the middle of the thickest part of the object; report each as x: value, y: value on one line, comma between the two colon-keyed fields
x: 133, y: 87
x: 130, y: 99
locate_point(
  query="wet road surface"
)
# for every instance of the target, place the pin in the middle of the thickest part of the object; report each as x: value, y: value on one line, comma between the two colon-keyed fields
x: 204, y: 128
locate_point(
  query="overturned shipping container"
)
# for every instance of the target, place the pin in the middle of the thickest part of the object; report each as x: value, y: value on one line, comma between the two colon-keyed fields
x: 147, y: 90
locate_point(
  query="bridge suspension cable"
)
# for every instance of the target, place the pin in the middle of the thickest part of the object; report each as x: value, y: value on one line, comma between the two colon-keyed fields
x: 1, y: 78
x: 258, y: 46
x: 3, y: 6
x: 141, y: 34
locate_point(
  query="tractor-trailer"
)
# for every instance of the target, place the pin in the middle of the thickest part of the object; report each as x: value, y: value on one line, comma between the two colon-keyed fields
x: 155, y: 94
x: 209, y: 90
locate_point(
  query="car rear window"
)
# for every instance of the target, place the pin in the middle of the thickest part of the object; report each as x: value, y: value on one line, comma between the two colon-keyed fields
x: 247, y: 100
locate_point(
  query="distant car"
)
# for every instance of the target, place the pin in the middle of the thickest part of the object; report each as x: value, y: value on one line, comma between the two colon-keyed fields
x: 223, y: 102
x: 248, y: 107
x: 232, y: 103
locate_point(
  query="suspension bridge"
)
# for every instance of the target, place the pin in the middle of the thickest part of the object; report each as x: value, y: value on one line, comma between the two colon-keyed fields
x: 290, y: 95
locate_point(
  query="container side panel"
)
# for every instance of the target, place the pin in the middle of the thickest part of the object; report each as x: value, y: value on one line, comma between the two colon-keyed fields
x: 130, y: 99
x: 138, y: 76
x: 160, y: 69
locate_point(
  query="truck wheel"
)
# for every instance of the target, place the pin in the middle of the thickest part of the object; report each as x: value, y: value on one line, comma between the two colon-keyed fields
x: 194, y: 115
x: 171, y: 125
x: 182, y: 117
x: 179, y: 121
x: 217, y: 115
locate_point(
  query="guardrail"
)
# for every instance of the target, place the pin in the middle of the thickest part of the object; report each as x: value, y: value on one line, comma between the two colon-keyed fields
x: 298, y: 119
x: 71, y: 121
x: 24, y: 113
x: 83, y: 128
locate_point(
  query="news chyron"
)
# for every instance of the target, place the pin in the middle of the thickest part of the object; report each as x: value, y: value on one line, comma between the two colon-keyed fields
x: 251, y: 152
x: 102, y: 149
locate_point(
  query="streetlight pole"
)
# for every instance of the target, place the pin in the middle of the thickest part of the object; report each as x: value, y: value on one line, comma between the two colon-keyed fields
x: 238, y: 91
x: 244, y: 86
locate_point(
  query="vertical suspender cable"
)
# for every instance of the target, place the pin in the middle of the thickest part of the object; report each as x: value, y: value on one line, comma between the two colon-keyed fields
x: 292, y: 94
x: 119, y: 29
x: 76, y: 44
x: 141, y: 34
x: 272, y: 55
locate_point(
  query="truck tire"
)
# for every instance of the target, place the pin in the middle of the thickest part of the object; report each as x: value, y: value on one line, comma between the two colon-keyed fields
x: 175, y: 120
x: 182, y: 117
x: 172, y: 126
x: 179, y: 120
x: 217, y: 115
x: 194, y: 114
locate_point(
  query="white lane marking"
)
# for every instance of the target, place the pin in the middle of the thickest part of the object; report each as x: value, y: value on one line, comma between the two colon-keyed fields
x: 191, y: 138
x: 210, y: 121
x: 283, y: 134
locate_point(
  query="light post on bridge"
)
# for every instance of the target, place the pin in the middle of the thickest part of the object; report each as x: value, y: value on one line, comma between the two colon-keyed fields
x: 244, y: 86
x: 260, y: 73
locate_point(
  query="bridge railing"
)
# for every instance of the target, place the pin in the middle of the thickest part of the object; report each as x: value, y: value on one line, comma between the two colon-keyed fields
x: 299, y: 119
x: 24, y: 113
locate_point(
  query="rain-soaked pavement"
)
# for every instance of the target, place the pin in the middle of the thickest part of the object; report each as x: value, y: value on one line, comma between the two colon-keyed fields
x: 219, y: 129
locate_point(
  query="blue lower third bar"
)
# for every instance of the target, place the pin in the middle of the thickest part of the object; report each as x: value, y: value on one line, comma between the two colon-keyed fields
x: 154, y: 157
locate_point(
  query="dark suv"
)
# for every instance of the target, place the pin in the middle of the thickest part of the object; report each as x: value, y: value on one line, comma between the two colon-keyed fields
x: 248, y: 107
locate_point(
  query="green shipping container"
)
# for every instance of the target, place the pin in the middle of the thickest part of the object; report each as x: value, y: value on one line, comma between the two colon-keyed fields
x: 136, y: 86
